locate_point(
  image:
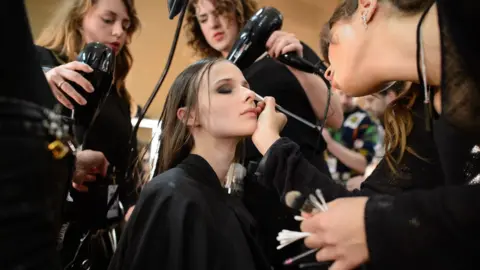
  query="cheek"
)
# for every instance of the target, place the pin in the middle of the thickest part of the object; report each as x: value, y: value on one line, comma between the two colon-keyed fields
x: 91, y: 30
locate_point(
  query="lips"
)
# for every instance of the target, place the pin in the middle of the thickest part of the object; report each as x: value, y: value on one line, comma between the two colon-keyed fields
x: 250, y: 111
x: 115, y: 46
x: 218, y: 36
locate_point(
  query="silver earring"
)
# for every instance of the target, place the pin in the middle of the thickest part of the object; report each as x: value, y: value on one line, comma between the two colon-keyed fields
x: 364, y: 19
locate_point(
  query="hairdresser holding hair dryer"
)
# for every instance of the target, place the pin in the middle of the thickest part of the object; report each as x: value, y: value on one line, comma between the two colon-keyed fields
x: 106, y: 27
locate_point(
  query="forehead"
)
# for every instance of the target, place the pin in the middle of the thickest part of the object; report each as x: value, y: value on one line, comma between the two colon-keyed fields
x: 221, y: 71
x: 205, y: 6
x: 117, y: 7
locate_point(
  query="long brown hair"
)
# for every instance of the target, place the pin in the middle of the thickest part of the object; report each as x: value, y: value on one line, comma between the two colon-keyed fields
x: 176, y: 141
x: 241, y: 9
x: 398, y: 114
x: 62, y: 35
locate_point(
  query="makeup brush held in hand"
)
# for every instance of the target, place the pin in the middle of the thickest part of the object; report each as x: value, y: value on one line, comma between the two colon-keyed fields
x: 287, y: 237
x: 294, y: 199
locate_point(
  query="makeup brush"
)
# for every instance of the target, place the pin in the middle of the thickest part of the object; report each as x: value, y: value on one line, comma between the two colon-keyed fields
x: 281, y: 109
x: 298, y: 257
x: 286, y: 237
x: 295, y: 200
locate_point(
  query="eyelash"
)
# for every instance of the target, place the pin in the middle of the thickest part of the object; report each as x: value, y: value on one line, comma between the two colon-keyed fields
x: 107, y: 21
x: 224, y: 90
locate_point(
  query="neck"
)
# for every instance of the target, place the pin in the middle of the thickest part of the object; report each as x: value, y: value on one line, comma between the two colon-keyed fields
x: 225, y: 53
x: 398, y: 47
x: 219, y: 153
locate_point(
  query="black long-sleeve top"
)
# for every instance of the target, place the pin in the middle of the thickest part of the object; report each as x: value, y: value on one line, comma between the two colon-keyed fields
x: 184, y: 219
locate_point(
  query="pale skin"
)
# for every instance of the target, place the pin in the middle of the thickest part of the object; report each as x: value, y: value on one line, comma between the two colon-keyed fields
x: 106, y: 22
x: 362, y: 60
x: 220, y: 31
x: 226, y: 113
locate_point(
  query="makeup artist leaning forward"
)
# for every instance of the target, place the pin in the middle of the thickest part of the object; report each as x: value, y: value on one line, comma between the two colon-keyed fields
x: 76, y: 23
x: 435, y: 229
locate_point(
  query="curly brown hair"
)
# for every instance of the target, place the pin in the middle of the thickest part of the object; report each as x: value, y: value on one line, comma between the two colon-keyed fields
x: 241, y: 9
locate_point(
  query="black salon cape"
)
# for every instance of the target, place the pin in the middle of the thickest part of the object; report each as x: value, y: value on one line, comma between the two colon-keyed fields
x: 184, y: 219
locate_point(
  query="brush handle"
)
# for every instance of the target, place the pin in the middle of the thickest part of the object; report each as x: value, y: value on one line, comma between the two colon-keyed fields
x: 285, y: 111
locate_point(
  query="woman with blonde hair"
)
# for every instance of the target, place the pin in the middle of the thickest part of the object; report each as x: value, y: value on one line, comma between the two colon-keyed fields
x: 75, y: 24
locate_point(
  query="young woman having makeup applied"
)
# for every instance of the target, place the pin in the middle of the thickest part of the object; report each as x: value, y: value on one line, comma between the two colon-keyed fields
x: 184, y: 218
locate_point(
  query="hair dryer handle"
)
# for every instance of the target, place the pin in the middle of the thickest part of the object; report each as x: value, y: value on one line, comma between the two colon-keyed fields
x: 292, y: 59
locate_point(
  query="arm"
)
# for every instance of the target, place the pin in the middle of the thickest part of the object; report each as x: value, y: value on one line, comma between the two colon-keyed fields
x: 363, y: 150
x: 350, y: 158
x: 416, y: 226
x: 317, y: 93
x: 286, y: 169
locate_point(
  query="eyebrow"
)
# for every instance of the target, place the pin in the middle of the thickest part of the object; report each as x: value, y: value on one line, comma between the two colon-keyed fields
x: 244, y: 82
x: 110, y: 12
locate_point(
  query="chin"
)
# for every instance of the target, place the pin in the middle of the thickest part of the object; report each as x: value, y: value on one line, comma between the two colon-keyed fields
x: 247, y: 129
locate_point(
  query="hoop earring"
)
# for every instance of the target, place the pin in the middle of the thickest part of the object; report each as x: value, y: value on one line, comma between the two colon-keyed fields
x: 364, y: 19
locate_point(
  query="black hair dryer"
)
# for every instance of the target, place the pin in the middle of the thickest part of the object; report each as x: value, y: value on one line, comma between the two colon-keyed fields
x: 101, y: 59
x: 251, y: 43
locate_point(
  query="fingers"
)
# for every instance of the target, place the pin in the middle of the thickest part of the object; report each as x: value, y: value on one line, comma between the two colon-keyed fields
x: 269, y: 103
x: 79, y: 187
x: 260, y: 107
x: 282, y: 42
x: 58, y: 77
x: 66, y: 88
x: 327, y: 253
x: 60, y: 96
x: 341, y: 265
x: 79, y: 66
x: 75, y: 77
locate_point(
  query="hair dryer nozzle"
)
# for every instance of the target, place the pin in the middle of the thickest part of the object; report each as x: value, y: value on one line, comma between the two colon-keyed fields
x: 252, y: 38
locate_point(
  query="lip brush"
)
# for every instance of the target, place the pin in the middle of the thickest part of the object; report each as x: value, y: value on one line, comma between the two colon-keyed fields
x: 283, y: 110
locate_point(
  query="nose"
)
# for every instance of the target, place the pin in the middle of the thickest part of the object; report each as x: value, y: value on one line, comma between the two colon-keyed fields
x: 329, y: 73
x: 249, y: 95
x: 118, y: 31
x: 214, y: 21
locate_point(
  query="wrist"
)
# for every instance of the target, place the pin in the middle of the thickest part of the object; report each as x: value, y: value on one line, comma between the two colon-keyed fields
x: 263, y: 141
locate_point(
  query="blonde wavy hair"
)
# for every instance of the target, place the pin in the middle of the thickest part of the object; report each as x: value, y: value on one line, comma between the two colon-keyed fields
x: 62, y: 36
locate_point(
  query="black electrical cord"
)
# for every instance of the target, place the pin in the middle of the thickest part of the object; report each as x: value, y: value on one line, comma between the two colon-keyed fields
x: 133, y: 159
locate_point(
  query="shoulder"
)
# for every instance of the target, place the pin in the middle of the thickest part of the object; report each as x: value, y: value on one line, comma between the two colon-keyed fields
x: 356, y: 119
x: 173, y: 185
x: 47, y: 57
x: 309, y: 54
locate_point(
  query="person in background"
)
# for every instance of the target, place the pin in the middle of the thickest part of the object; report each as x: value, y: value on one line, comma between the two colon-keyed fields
x: 74, y: 24
x: 212, y: 28
x: 353, y: 145
x: 376, y: 105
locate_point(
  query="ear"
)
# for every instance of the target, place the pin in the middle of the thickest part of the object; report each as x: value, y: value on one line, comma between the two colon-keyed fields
x: 391, y: 95
x: 367, y: 8
x: 189, y: 120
